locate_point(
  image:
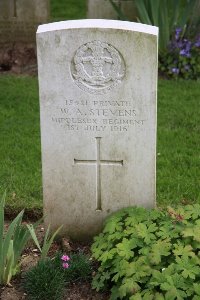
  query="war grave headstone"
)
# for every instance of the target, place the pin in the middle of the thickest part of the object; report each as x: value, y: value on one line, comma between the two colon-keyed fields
x: 98, y: 87
x: 103, y: 9
x: 19, y: 20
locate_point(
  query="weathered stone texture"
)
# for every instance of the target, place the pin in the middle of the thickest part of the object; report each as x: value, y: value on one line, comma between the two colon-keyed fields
x: 98, y: 86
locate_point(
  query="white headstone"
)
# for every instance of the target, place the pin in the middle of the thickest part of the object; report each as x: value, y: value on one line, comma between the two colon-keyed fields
x: 98, y: 86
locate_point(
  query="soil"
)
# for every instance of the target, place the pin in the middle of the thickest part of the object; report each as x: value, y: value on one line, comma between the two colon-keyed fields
x: 18, y: 58
x: 75, y: 291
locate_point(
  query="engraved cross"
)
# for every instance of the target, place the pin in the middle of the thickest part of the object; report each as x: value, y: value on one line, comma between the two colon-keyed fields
x: 98, y: 162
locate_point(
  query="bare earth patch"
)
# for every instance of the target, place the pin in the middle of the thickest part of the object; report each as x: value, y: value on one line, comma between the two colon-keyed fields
x: 18, y: 58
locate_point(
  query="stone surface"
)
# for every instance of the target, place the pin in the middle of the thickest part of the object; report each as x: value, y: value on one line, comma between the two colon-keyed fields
x: 19, y: 19
x: 103, y: 9
x: 98, y: 86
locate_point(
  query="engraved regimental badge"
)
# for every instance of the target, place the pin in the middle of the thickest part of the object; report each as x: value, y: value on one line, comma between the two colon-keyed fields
x: 97, y: 67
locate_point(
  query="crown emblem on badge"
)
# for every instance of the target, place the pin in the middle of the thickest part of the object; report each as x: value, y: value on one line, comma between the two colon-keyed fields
x: 97, y: 67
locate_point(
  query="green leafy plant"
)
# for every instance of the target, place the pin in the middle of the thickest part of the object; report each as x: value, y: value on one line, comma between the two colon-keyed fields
x: 150, y: 254
x: 166, y: 14
x: 182, y: 59
x: 47, y: 242
x: 12, y: 243
x: 44, y: 281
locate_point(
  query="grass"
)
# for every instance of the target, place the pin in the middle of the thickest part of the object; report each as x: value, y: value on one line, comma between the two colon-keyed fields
x: 178, y: 158
x: 20, y: 166
x: 68, y: 9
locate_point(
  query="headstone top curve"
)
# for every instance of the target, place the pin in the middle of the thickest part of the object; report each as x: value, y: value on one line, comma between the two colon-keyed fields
x: 98, y: 23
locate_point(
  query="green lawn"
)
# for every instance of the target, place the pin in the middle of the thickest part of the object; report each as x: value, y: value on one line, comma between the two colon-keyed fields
x: 20, y: 167
x: 68, y: 9
x: 178, y: 155
x: 178, y: 159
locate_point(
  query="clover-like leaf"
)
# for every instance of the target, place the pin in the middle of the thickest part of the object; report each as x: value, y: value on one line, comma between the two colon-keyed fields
x: 146, y: 232
x: 175, y: 280
x: 120, y: 268
x: 114, y: 293
x: 99, y: 280
x: 130, y: 231
x: 167, y: 230
x: 193, y: 210
x: 159, y: 296
x: 137, y: 215
x: 197, y: 288
x: 98, y: 240
x: 99, y: 246
x: 115, y: 236
x: 155, y: 214
x: 181, y: 250
x: 148, y: 296
x: 113, y: 225
x: 138, y: 269
x: 160, y: 248
x: 124, y: 249
x: 174, y: 293
x: 144, y: 295
x: 97, y: 285
x: 192, y: 231
x: 157, y: 278
x: 131, y: 221
x: 175, y: 286
x: 128, y: 287
x: 108, y: 255
x: 145, y: 250
x: 188, y: 266
x: 197, y: 222
x: 136, y: 297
